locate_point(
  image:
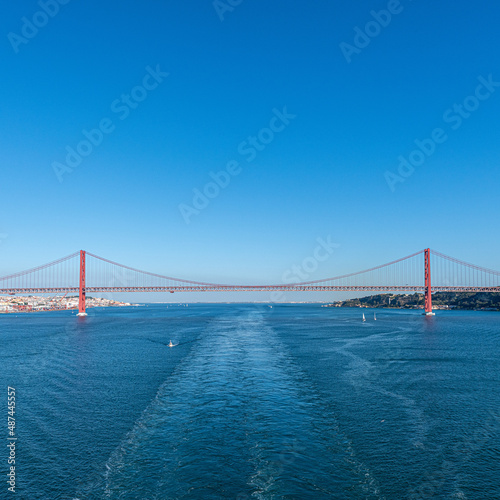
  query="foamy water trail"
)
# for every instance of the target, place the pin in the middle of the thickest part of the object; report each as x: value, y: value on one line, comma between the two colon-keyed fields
x: 237, y: 419
x: 359, y: 374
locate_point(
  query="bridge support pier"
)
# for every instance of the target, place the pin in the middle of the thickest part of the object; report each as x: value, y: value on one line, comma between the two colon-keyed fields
x: 428, y: 294
x: 81, y: 299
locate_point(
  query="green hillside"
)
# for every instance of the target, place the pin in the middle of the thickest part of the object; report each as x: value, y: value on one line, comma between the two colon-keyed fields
x: 440, y: 300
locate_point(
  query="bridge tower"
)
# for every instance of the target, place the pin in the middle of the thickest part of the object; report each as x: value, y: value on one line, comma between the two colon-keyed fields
x: 428, y: 296
x: 81, y: 300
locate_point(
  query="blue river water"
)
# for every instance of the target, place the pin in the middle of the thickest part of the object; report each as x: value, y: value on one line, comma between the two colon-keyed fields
x: 255, y: 402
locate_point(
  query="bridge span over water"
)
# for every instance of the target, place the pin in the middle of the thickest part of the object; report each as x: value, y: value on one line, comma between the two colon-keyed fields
x: 83, y: 272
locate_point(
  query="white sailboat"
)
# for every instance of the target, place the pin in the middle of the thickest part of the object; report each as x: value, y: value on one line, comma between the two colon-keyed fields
x: 364, y: 319
x: 374, y: 317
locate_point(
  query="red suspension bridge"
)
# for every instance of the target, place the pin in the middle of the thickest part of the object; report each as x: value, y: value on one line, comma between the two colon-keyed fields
x: 83, y: 272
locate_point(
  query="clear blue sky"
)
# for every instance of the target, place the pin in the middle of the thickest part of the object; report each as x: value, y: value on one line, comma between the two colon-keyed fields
x: 321, y: 174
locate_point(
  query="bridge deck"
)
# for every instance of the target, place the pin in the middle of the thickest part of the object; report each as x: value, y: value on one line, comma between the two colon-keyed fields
x: 253, y: 288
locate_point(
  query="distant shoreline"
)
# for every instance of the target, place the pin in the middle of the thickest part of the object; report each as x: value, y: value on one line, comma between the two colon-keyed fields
x: 465, y: 301
x: 481, y: 301
x: 34, y: 303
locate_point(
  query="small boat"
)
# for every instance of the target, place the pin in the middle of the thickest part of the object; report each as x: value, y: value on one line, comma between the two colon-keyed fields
x: 364, y: 319
x: 172, y: 345
x: 374, y: 317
